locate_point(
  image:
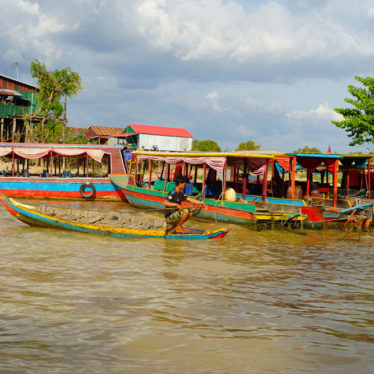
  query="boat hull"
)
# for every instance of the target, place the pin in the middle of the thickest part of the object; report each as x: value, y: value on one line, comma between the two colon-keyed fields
x: 60, y: 188
x: 225, y: 211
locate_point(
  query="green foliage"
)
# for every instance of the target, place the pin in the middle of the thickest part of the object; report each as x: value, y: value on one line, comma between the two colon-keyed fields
x: 205, y: 146
x: 358, y: 120
x: 57, y: 132
x: 306, y: 149
x: 53, y: 85
x: 250, y: 145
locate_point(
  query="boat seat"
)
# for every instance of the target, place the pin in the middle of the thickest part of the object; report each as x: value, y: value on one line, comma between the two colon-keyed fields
x: 94, y: 220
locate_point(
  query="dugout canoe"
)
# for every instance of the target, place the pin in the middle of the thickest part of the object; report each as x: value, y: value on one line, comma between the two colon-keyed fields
x: 119, y: 225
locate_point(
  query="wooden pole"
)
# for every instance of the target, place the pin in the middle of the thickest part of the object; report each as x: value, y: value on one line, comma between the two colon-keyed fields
x: 293, y: 177
x: 150, y: 174
x: 204, y: 180
x: 265, y: 182
x: 308, y: 178
x: 51, y: 166
x: 87, y: 165
x: 369, y: 179
x: 244, y: 181
x: 2, y: 130
x: 14, y: 129
x: 167, y: 177
x: 335, y: 182
x: 13, y: 164
x: 136, y: 171
x: 347, y: 183
x: 224, y: 178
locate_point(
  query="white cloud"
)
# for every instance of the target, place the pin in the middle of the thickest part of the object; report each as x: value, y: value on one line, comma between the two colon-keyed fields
x: 213, y: 99
x: 273, y: 32
x: 322, y: 112
x: 27, y: 6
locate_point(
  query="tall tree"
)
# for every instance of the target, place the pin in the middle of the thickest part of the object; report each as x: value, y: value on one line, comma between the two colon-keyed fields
x: 358, y: 120
x: 205, y: 146
x: 53, y: 85
x: 250, y: 145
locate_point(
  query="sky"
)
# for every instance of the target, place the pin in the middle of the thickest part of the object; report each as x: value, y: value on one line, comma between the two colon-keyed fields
x: 270, y: 71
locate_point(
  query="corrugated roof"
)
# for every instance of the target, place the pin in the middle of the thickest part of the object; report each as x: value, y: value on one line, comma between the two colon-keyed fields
x: 6, y: 92
x: 105, y: 130
x: 160, y: 130
x: 17, y: 81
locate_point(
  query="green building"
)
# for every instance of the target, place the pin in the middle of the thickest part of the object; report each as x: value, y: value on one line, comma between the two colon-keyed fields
x: 18, y: 100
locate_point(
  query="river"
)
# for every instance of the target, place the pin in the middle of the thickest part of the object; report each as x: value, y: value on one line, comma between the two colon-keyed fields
x: 252, y: 302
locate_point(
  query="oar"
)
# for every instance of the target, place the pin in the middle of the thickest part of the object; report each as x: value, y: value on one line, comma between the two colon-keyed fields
x: 160, y: 210
x: 148, y: 210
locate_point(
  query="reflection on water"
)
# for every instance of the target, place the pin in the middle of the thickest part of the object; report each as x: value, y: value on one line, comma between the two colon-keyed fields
x: 253, y: 302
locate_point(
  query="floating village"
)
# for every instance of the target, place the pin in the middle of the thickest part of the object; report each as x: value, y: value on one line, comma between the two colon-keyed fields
x: 140, y: 164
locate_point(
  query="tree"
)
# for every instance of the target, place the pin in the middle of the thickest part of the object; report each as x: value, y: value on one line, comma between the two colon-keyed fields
x: 306, y: 149
x: 358, y: 120
x: 205, y: 146
x: 53, y: 85
x: 250, y: 145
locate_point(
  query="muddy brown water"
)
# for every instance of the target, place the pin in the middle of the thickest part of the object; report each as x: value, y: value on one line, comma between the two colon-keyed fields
x: 253, y: 302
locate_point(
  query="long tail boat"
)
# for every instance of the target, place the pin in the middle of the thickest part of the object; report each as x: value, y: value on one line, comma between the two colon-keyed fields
x: 114, y: 224
x: 236, y: 187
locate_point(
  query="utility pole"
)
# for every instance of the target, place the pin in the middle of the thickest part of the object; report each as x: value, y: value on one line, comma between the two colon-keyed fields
x: 16, y: 64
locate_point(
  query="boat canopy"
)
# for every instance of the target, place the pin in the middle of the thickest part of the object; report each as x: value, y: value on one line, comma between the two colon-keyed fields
x: 358, y: 161
x: 217, y: 161
x: 313, y: 160
x: 42, y: 152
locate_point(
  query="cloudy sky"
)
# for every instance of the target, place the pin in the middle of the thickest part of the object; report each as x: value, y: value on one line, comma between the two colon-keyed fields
x: 270, y: 71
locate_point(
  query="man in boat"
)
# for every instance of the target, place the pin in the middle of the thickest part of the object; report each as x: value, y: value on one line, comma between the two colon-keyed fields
x: 175, y: 218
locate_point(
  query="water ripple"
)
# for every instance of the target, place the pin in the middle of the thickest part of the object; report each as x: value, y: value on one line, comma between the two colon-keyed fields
x: 269, y: 301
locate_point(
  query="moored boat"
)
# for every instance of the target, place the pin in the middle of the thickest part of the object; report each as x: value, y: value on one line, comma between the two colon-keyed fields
x: 235, y: 187
x: 20, y: 176
x: 113, y: 224
x: 222, y: 202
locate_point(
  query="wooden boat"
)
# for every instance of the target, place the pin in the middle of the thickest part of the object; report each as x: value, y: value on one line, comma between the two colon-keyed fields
x: 251, y: 203
x: 142, y: 191
x: 55, y: 183
x: 98, y: 222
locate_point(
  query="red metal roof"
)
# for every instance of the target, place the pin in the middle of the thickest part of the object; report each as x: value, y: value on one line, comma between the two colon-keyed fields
x: 160, y: 130
x: 15, y: 84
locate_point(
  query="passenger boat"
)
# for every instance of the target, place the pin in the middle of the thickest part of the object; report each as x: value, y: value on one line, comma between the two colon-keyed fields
x: 222, y: 201
x: 118, y: 225
x: 20, y: 178
x: 236, y: 187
